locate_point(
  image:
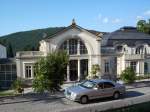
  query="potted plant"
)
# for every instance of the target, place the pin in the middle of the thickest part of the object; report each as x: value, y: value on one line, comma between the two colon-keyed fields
x: 95, y: 70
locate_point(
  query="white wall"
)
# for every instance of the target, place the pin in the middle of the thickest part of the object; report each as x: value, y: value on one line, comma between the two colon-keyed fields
x: 92, y: 43
x: 3, y: 52
x: 21, y: 65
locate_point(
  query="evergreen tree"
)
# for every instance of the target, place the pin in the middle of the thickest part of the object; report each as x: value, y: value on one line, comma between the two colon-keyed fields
x: 10, y: 51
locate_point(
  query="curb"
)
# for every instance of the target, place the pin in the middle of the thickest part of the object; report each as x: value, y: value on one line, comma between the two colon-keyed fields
x: 102, y: 107
x: 23, y: 101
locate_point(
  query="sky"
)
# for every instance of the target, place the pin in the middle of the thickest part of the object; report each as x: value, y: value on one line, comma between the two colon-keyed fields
x: 101, y: 15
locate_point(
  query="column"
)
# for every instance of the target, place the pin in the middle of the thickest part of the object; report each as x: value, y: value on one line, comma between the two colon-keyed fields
x: 68, y: 47
x: 68, y: 73
x: 89, y: 65
x: 78, y: 69
x: 141, y: 66
x: 78, y: 47
x: 32, y: 71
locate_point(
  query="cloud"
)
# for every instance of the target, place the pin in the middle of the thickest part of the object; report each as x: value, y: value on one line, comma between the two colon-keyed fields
x: 147, y: 13
x: 139, y: 17
x: 105, y: 20
x: 143, y: 15
x: 117, y: 20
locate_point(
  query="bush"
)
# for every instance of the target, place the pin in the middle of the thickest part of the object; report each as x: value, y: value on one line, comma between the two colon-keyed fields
x: 128, y: 75
x: 17, y: 86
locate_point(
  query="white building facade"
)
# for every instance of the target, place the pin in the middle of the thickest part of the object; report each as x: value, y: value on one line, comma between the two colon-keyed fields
x: 112, y: 51
x: 3, y: 53
x: 82, y: 46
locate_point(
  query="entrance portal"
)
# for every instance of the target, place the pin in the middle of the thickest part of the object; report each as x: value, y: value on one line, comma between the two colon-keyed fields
x: 84, y: 68
x: 74, y: 69
x: 73, y: 65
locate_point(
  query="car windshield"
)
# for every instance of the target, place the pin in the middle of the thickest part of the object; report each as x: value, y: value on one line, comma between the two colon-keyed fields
x: 88, y: 84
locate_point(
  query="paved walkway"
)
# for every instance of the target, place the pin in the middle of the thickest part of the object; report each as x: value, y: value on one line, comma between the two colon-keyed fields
x: 31, y: 96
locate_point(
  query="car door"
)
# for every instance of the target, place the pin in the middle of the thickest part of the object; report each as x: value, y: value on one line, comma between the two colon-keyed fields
x: 97, y: 91
x: 108, y: 89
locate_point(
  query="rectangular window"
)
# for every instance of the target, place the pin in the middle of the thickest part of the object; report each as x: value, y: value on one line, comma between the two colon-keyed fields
x: 145, y: 67
x: 2, y: 76
x: 14, y: 76
x: 8, y: 67
x: 13, y: 67
x: 106, y: 67
x: 8, y: 76
x: 133, y: 65
x: 3, y: 67
x: 28, y: 71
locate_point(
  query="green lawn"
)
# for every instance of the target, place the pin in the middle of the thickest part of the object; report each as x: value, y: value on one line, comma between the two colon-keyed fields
x: 6, y: 93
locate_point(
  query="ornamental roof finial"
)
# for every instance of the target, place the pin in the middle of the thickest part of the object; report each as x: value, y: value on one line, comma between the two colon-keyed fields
x: 73, y: 22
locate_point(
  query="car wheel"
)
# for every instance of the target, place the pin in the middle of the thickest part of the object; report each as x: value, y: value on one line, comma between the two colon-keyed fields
x: 84, y: 99
x: 116, y: 95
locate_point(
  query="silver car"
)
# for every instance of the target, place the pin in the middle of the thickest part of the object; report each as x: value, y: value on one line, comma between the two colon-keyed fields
x: 95, y: 88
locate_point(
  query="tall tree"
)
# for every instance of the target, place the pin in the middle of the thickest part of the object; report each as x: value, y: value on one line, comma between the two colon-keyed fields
x: 144, y: 26
x: 10, y: 51
x: 50, y: 72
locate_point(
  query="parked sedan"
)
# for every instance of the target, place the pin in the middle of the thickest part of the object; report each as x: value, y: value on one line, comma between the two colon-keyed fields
x: 93, y: 89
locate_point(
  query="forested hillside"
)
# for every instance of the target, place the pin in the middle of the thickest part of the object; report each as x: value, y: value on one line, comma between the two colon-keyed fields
x: 27, y: 40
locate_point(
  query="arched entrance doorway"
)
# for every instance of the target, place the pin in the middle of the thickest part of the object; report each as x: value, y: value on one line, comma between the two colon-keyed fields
x: 77, y: 69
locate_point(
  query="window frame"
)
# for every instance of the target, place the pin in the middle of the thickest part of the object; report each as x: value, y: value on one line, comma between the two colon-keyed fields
x: 106, y: 67
x: 112, y: 85
x: 27, y: 76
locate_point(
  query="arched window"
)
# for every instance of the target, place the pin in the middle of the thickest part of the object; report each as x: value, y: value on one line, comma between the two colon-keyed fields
x: 119, y: 48
x: 83, y: 49
x: 145, y: 51
x: 74, y: 46
x: 139, y: 50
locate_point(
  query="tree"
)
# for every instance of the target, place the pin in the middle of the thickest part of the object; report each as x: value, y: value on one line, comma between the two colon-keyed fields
x: 94, y: 70
x: 10, y: 51
x: 50, y: 72
x: 144, y: 26
x: 28, y: 47
x: 128, y: 75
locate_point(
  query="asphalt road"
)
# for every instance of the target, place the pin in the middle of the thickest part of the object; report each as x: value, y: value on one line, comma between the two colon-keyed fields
x: 53, y: 105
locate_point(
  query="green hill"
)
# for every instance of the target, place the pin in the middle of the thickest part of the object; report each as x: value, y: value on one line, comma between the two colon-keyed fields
x: 26, y: 40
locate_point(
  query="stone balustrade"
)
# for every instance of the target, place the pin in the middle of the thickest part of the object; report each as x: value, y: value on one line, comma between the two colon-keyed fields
x: 23, y: 54
x: 134, y: 56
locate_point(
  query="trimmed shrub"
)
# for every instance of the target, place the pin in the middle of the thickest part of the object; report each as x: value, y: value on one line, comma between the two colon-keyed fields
x: 128, y: 75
